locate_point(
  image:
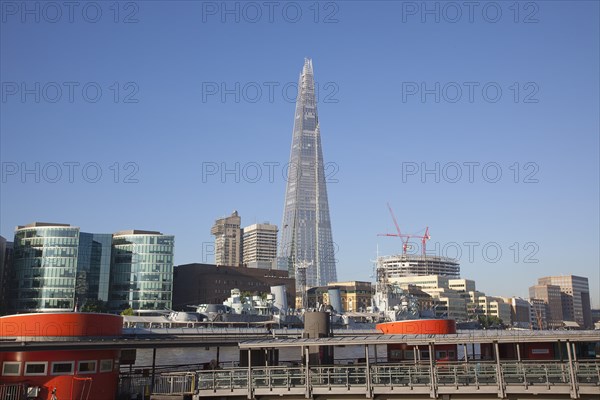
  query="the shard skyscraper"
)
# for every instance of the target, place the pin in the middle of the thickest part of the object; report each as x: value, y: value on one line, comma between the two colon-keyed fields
x: 306, y: 240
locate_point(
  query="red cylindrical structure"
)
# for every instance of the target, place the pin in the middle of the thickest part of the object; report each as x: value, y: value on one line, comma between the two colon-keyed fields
x: 404, y: 352
x: 72, y: 373
x: 419, y: 327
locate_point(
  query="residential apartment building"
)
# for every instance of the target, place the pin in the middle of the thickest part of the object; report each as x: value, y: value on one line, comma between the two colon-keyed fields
x: 259, y: 246
x: 228, y: 240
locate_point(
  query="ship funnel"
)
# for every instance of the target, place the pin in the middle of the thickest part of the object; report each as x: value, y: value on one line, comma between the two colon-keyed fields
x: 280, y: 301
x: 335, y: 300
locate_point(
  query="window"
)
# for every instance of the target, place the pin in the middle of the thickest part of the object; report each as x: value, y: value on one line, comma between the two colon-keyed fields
x: 63, y: 367
x: 106, y: 365
x: 11, y: 368
x: 396, y: 354
x: 87, y: 367
x: 36, y: 368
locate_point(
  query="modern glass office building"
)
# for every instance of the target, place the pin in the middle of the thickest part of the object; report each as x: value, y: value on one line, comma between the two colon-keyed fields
x: 306, y: 237
x: 141, y: 274
x: 44, y: 271
x: 93, y: 267
x: 58, y: 268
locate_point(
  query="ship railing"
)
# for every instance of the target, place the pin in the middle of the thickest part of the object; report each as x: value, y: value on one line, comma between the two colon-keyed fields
x: 13, y: 392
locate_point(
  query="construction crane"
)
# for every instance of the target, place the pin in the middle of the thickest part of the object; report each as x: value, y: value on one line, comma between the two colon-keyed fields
x: 405, y: 238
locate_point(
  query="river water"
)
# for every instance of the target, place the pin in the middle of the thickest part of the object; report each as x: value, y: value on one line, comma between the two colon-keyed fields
x: 231, y: 354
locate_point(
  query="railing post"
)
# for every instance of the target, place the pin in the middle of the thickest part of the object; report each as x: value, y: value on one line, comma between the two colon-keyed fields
x: 347, y: 377
x: 575, y: 362
x: 368, y: 372
x: 574, y: 392
x: 455, y: 377
x: 432, y: 382
x: 153, y: 369
x: 249, y: 373
x: 499, y: 376
x: 307, y: 373
x: 269, y: 378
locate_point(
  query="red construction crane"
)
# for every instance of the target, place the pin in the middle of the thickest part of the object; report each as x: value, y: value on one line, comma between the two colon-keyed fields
x: 405, y: 238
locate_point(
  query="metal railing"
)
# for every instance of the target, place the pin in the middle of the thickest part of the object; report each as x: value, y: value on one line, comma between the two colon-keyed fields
x: 380, y: 378
x: 175, y: 383
x: 134, y: 384
x: 13, y: 392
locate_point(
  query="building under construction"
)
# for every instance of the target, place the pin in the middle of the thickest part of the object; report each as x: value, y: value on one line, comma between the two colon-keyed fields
x: 402, y: 265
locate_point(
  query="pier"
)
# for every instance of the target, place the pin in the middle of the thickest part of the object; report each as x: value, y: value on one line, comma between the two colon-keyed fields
x: 494, y: 377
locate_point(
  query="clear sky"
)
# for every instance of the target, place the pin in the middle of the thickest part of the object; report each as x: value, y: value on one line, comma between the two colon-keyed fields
x: 172, y: 94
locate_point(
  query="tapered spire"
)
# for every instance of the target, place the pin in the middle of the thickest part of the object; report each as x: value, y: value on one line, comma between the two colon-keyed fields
x: 306, y: 236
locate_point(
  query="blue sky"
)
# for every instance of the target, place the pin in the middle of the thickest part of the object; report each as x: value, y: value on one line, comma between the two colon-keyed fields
x: 162, y: 121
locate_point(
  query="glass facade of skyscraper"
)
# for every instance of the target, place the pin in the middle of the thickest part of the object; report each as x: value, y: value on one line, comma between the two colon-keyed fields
x: 306, y: 237
x: 141, y: 274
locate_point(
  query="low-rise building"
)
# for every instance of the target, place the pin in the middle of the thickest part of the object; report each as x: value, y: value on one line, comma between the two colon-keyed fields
x: 550, y: 294
x: 539, y: 314
x: 520, y: 312
x: 195, y: 284
x: 449, y: 303
x: 355, y: 295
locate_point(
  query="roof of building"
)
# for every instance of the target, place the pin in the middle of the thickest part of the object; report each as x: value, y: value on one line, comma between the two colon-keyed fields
x: 462, y: 337
x: 136, y: 232
x: 41, y: 225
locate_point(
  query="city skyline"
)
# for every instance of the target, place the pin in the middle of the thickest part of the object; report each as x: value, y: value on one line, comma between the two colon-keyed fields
x: 188, y: 137
x: 567, y: 295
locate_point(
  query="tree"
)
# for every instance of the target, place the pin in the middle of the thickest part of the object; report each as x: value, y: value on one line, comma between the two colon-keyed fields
x: 127, y: 311
x: 95, y: 306
x: 490, y: 321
